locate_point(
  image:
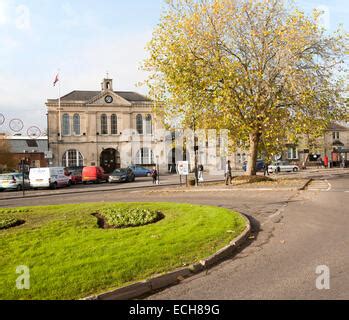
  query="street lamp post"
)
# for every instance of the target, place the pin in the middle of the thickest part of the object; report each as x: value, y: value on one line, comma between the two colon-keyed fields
x: 158, y: 165
x: 196, y: 150
x: 23, y: 161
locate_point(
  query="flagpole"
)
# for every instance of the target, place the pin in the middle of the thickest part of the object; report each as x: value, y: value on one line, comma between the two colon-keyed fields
x: 59, y: 107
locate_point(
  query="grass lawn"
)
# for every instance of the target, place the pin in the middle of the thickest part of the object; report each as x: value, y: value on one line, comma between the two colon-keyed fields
x: 70, y: 257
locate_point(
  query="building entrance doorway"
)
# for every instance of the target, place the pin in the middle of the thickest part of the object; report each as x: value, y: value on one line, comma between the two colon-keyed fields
x: 175, y: 155
x: 110, y: 160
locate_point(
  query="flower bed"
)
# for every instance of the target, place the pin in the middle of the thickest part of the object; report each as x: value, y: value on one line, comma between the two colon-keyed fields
x: 129, y: 217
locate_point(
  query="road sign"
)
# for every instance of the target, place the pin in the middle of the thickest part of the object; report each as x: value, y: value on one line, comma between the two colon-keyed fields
x: 183, y: 168
x: 278, y: 157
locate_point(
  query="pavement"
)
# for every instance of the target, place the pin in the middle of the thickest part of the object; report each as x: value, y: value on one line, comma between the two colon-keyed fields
x: 294, y: 232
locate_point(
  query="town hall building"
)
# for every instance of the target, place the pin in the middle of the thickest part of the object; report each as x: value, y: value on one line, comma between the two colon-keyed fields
x: 95, y: 128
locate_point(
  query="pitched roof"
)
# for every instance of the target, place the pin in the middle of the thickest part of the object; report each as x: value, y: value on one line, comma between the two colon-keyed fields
x: 28, y: 145
x: 88, y: 95
x: 337, y: 127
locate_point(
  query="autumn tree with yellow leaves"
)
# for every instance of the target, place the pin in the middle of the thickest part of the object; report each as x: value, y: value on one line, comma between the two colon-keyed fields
x: 262, y: 69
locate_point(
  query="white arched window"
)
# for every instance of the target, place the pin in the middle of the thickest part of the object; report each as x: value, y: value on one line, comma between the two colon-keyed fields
x: 72, y: 158
x: 104, y: 124
x: 145, y: 156
x: 148, y: 124
x: 114, y: 124
x: 66, y: 125
x: 76, y: 124
x: 139, y: 124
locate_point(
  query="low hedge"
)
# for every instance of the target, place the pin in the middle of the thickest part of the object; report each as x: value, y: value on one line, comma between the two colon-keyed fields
x: 8, y: 222
x: 129, y: 217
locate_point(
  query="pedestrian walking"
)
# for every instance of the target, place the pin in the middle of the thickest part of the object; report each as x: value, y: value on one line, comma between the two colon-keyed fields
x: 155, y: 176
x: 321, y: 163
x: 228, y: 173
x: 201, y: 173
x: 326, y: 161
x: 343, y: 162
x: 266, y: 169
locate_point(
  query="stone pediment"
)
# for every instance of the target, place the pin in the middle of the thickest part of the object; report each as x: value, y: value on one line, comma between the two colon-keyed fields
x: 108, y: 98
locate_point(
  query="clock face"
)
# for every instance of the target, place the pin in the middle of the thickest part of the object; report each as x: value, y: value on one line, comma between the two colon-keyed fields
x: 108, y: 99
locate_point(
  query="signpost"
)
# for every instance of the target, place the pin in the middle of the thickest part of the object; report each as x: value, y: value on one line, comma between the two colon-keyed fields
x: 183, y: 170
x: 48, y: 155
x: 23, y: 163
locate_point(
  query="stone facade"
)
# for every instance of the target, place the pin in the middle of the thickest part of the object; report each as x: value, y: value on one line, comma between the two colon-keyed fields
x: 116, y: 129
x: 334, y: 144
x: 105, y: 128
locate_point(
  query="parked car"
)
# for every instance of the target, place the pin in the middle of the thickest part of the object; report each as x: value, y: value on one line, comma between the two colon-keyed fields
x: 283, y: 166
x: 122, y: 175
x: 75, y: 176
x: 48, y: 178
x: 259, y: 166
x: 94, y: 174
x: 14, y: 181
x: 140, y: 171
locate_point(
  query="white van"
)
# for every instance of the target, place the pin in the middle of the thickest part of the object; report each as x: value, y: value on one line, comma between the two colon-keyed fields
x: 48, y: 178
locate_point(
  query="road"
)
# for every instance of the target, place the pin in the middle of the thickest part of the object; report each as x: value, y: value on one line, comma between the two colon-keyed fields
x: 166, y: 180
x: 311, y: 231
x: 294, y: 232
x: 140, y: 183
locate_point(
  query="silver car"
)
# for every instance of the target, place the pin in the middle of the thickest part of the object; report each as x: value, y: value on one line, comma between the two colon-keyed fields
x: 14, y: 181
x: 282, y: 166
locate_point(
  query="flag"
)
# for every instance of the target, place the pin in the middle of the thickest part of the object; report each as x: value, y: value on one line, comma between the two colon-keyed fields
x: 56, y: 80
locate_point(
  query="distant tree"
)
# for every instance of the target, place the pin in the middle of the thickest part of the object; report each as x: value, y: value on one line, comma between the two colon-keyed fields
x: 7, y: 160
x: 260, y: 68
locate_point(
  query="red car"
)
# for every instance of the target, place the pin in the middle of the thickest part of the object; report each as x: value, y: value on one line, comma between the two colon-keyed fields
x: 75, y: 176
x: 94, y: 174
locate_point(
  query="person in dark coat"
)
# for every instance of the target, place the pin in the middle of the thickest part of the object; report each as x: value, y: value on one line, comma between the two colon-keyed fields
x: 228, y: 173
x: 155, y: 175
x: 201, y: 173
x: 266, y: 169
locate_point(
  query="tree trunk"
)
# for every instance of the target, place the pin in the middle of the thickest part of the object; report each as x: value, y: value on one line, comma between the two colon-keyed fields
x: 252, y: 159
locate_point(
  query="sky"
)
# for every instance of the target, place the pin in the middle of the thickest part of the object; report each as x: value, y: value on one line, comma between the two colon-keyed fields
x: 84, y: 39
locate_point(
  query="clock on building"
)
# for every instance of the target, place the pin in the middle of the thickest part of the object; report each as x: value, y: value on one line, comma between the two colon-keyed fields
x: 108, y: 99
